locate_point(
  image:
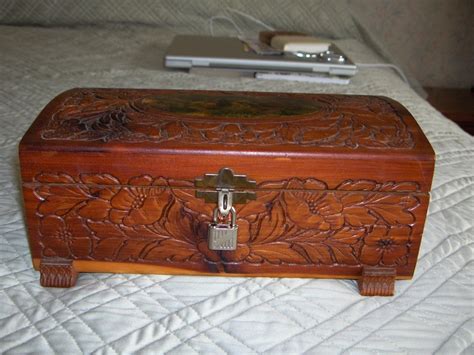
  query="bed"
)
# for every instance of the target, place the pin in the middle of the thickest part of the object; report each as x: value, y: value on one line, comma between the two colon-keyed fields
x: 114, y: 313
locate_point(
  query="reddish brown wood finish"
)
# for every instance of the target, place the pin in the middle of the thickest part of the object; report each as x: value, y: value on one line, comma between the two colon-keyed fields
x: 377, y: 281
x: 57, y: 272
x: 342, y: 181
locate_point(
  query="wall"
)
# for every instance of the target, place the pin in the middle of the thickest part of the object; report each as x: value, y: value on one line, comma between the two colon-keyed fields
x: 432, y: 40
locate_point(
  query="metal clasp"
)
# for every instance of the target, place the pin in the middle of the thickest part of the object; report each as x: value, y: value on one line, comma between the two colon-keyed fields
x: 239, y: 188
x: 226, y: 189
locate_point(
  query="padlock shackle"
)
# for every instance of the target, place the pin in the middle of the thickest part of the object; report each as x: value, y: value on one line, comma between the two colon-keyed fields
x: 233, y: 216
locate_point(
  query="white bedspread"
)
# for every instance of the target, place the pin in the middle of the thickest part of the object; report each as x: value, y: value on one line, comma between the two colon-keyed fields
x: 113, y: 313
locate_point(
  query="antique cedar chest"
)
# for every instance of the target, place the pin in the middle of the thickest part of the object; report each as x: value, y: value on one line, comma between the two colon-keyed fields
x: 225, y: 183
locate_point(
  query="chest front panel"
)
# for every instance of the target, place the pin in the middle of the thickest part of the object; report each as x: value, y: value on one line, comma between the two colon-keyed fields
x: 299, y: 228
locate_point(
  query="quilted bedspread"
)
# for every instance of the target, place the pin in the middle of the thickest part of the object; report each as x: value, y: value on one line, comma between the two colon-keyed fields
x: 114, y: 313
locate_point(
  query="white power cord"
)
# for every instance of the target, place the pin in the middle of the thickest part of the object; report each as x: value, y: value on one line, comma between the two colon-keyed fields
x: 250, y: 17
x: 270, y: 28
x: 385, y: 65
x: 222, y: 17
x: 239, y: 30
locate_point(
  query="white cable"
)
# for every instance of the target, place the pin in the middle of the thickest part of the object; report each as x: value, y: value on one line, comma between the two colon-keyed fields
x: 222, y: 17
x: 250, y: 17
x: 385, y: 65
x: 243, y: 14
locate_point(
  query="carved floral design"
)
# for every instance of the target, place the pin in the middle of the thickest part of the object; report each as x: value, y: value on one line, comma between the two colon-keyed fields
x: 298, y: 221
x: 65, y: 237
x: 311, y: 210
x: 228, y: 118
x: 386, y: 246
x: 138, y: 205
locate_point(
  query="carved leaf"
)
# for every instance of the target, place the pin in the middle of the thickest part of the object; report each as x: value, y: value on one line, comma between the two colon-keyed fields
x: 104, y: 230
x: 347, y: 235
x: 345, y: 255
x: 313, y: 184
x: 244, y: 231
x: 178, y: 183
x: 80, y: 247
x: 271, y: 226
x: 397, y: 255
x: 342, y: 242
x: 131, y: 249
x: 104, y: 193
x: 173, y: 250
x: 242, y: 252
x: 272, y: 185
x: 96, y: 209
x: 47, y: 178
x: 393, y: 214
x: 306, y: 184
x: 142, y: 232
x: 409, y: 201
x: 107, y: 249
x: 358, y: 216
x: 400, y: 186
x: 392, y: 208
x: 353, y: 198
x: 318, y: 253
x: 256, y: 206
x: 143, y: 180
x: 308, y: 236
x: 60, y: 200
x: 277, y: 253
x: 360, y: 185
x: 189, y: 200
x: 99, y: 179
x: 178, y: 223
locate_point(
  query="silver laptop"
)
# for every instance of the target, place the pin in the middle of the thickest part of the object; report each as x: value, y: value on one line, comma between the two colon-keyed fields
x: 232, y: 53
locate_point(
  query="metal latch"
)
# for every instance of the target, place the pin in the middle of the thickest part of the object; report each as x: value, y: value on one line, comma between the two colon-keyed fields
x: 221, y: 189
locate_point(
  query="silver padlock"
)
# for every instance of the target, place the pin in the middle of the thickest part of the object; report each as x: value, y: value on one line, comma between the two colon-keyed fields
x: 223, y: 236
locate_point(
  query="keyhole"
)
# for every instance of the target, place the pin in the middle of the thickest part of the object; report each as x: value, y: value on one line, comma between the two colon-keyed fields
x: 224, y: 202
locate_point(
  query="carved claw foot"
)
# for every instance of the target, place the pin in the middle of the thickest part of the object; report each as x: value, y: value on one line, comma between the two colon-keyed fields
x: 377, y: 281
x: 57, y: 272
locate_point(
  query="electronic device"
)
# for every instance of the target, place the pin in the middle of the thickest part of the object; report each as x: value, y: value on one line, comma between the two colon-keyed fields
x: 292, y: 43
x: 233, y: 53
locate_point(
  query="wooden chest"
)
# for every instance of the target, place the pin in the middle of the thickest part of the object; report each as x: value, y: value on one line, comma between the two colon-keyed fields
x: 225, y: 183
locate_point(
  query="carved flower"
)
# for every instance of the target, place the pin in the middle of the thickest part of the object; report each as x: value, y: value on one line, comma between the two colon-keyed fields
x: 67, y: 237
x: 139, y: 205
x: 386, y: 245
x: 310, y: 210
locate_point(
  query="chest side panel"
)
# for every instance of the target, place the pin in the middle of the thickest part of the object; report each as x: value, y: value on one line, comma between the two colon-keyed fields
x: 294, y: 227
